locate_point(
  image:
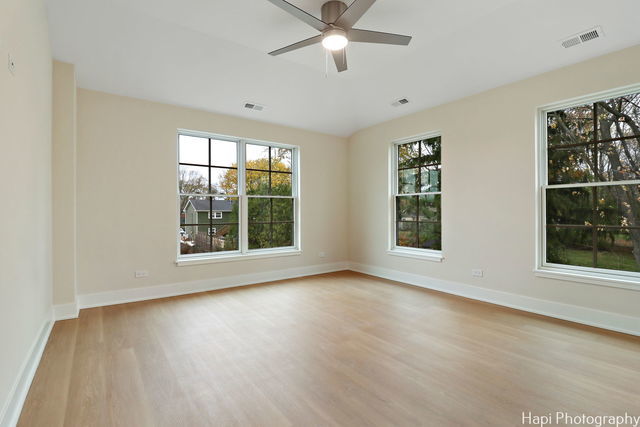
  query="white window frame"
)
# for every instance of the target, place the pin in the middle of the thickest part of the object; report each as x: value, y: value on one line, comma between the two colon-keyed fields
x: 212, y: 230
x: 586, y: 275
x: 402, y: 251
x: 216, y: 215
x: 244, y: 253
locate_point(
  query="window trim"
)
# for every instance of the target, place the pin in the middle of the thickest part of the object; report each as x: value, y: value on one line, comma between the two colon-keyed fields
x: 392, y: 248
x: 244, y: 253
x: 584, y: 275
x: 215, y: 216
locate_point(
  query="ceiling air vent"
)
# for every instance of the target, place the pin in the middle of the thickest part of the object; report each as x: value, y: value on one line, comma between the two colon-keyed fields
x: 583, y: 37
x: 400, y: 102
x: 253, y: 106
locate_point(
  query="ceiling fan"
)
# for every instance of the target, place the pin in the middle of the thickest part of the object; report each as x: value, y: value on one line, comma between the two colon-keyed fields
x: 336, y: 27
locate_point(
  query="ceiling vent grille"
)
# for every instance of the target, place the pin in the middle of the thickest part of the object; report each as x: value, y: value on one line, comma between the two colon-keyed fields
x: 253, y: 106
x: 399, y: 102
x: 583, y: 37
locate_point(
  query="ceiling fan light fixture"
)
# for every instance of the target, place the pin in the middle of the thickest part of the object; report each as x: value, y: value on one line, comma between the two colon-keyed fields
x: 335, y: 39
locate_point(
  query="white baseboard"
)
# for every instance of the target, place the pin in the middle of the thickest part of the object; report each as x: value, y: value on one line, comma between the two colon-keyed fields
x: 13, y: 406
x: 65, y: 311
x: 587, y: 316
x: 601, y: 319
x: 184, y: 288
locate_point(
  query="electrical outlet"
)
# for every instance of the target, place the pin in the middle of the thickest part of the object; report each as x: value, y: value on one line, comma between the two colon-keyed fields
x: 141, y: 273
x: 322, y: 254
x: 476, y: 272
x: 11, y: 65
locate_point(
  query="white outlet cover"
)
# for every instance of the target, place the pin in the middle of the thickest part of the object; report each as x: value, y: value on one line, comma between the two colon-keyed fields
x: 476, y: 272
x: 141, y: 273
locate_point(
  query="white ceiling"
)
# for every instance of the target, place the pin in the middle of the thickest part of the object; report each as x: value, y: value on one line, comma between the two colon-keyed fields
x: 212, y: 54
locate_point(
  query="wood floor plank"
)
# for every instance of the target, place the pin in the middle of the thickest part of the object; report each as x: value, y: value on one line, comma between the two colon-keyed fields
x: 45, y: 408
x: 340, y: 349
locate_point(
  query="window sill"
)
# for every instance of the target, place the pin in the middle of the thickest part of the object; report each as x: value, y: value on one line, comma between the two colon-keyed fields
x: 591, y: 278
x: 236, y: 256
x: 425, y: 255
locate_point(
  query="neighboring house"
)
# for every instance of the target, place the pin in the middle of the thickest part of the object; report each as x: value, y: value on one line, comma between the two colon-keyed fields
x: 197, y: 212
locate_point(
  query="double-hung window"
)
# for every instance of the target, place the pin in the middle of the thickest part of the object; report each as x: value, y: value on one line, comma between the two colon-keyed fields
x: 416, y: 197
x: 236, y: 197
x: 590, y: 188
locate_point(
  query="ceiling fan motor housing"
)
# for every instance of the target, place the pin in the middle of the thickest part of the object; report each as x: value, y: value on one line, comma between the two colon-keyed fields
x: 332, y: 10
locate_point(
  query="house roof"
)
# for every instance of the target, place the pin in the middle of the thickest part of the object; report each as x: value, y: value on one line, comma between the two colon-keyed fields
x: 218, y: 205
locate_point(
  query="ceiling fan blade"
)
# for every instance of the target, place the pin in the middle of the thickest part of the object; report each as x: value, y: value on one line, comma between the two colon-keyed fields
x: 301, y: 14
x: 350, y: 16
x: 340, y: 58
x: 366, y: 36
x: 298, y: 45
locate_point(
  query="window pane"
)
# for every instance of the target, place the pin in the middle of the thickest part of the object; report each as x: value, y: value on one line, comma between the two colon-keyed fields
x: 407, y: 234
x: 569, y: 206
x: 267, y: 228
x: 259, y: 210
x: 224, y: 181
x: 194, y: 239
x: 570, y: 245
x: 194, y: 210
x: 615, y: 249
x: 430, y: 236
x: 430, y: 151
x: 193, y: 180
x: 224, y: 153
x: 197, y: 234
x: 257, y: 157
x: 225, y: 237
x: 570, y: 165
x: 280, y: 159
x: 281, y: 184
x: 258, y: 183
x: 193, y: 150
x: 229, y: 207
x: 619, y: 160
x: 407, y: 208
x: 429, y: 207
x: 188, y: 211
x: 408, y: 180
x: 408, y: 155
x: 282, y: 209
x: 282, y: 235
x: 570, y: 125
x: 429, y: 179
x: 259, y: 236
x: 618, y: 205
x: 619, y: 117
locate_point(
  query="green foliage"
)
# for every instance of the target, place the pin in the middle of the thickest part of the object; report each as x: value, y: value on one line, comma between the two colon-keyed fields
x: 270, y: 222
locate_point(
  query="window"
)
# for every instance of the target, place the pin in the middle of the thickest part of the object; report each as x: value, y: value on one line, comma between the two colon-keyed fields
x: 236, y: 197
x: 416, y: 196
x: 590, y: 187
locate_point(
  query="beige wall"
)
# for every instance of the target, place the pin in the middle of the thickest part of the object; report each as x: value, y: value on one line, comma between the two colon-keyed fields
x: 25, y: 185
x: 64, y: 183
x: 488, y: 183
x: 127, y: 192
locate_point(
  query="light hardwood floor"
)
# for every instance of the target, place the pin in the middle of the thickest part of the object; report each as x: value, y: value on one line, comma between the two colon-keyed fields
x: 336, y: 349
